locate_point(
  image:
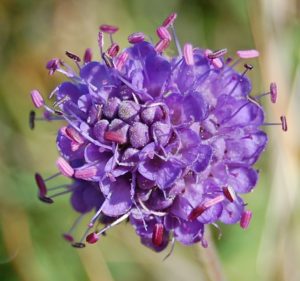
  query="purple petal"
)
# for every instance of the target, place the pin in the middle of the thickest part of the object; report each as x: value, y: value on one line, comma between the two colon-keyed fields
x: 231, y: 213
x: 242, y: 178
x: 157, y: 72
x: 246, y: 149
x: 194, y: 107
x: 164, y: 173
x: 120, y: 199
x: 204, y: 157
x: 189, y: 233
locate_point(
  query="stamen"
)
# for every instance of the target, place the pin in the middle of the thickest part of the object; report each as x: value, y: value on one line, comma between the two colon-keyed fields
x: 115, y: 137
x: 78, y: 245
x: 188, y: 54
x: 41, y: 185
x: 220, y: 233
x: 136, y: 37
x: 72, y: 134
x: 176, y: 41
x: 198, y: 211
x: 163, y: 33
x: 247, y: 54
x: 162, y: 45
x: 229, y: 193
x: 37, y: 99
x: 216, y: 62
x: 68, y: 235
x: 273, y: 92
x: 110, y: 29
x: 52, y: 177
x: 92, y: 238
x: 157, y: 234
x: 64, y: 167
x: 86, y: 173
x: 100, y: 42
x: 61, y: 193
x: 121, y: 59
x: 283, y: 123
x: 47, y: 200
x: 171, y: 249
x: 107, y: 60
x: 73, y: 56
x: 217, y: 54
x: 31, y: 119
x: 87, y: 57
x: 116, y: 222
x: 169, y: 21
x: 96, y: 216
x: 150, y: 212
x: 245, y: 220
x: 248, y: 66
x: 113, y: 50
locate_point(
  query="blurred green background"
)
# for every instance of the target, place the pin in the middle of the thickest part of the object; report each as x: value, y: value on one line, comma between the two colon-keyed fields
x: 31, y: 248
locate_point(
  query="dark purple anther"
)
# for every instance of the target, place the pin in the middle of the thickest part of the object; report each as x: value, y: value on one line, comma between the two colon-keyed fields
x: 245, y: 220
x: 121, y: 60
x: 136, y: 37
x: 248, y: 66
x: 113, y: 50
x: 68, y: 237
x: 87, y: 57
x: 162, y: 45
x: 163, y: 33
x: 47, y: 200
x: 217, y: 54
x: 73, y: 56
x: 158, y: 234
x: 284, y: 125
x: 41, y: 185
x: 92, y: 238
x: 78, y: 245
x: 31, y: 119
x: 198, y: 211
x: 169, y: 20
x: 229, y: 193
x: 110, y: 29
x: 273, y: 92
x: 216, y: 62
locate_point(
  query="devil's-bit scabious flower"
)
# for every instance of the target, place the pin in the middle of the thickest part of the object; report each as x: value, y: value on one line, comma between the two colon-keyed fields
x: 167, y: 143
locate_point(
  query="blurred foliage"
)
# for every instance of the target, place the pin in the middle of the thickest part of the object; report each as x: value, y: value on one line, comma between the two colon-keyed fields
x: 33, y: 31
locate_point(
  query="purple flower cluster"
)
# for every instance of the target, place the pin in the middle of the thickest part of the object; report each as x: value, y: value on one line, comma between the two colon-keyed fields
x: 166, y: 143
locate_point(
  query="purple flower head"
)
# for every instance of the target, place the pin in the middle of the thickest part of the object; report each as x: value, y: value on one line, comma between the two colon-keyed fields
x: 167, y: 143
